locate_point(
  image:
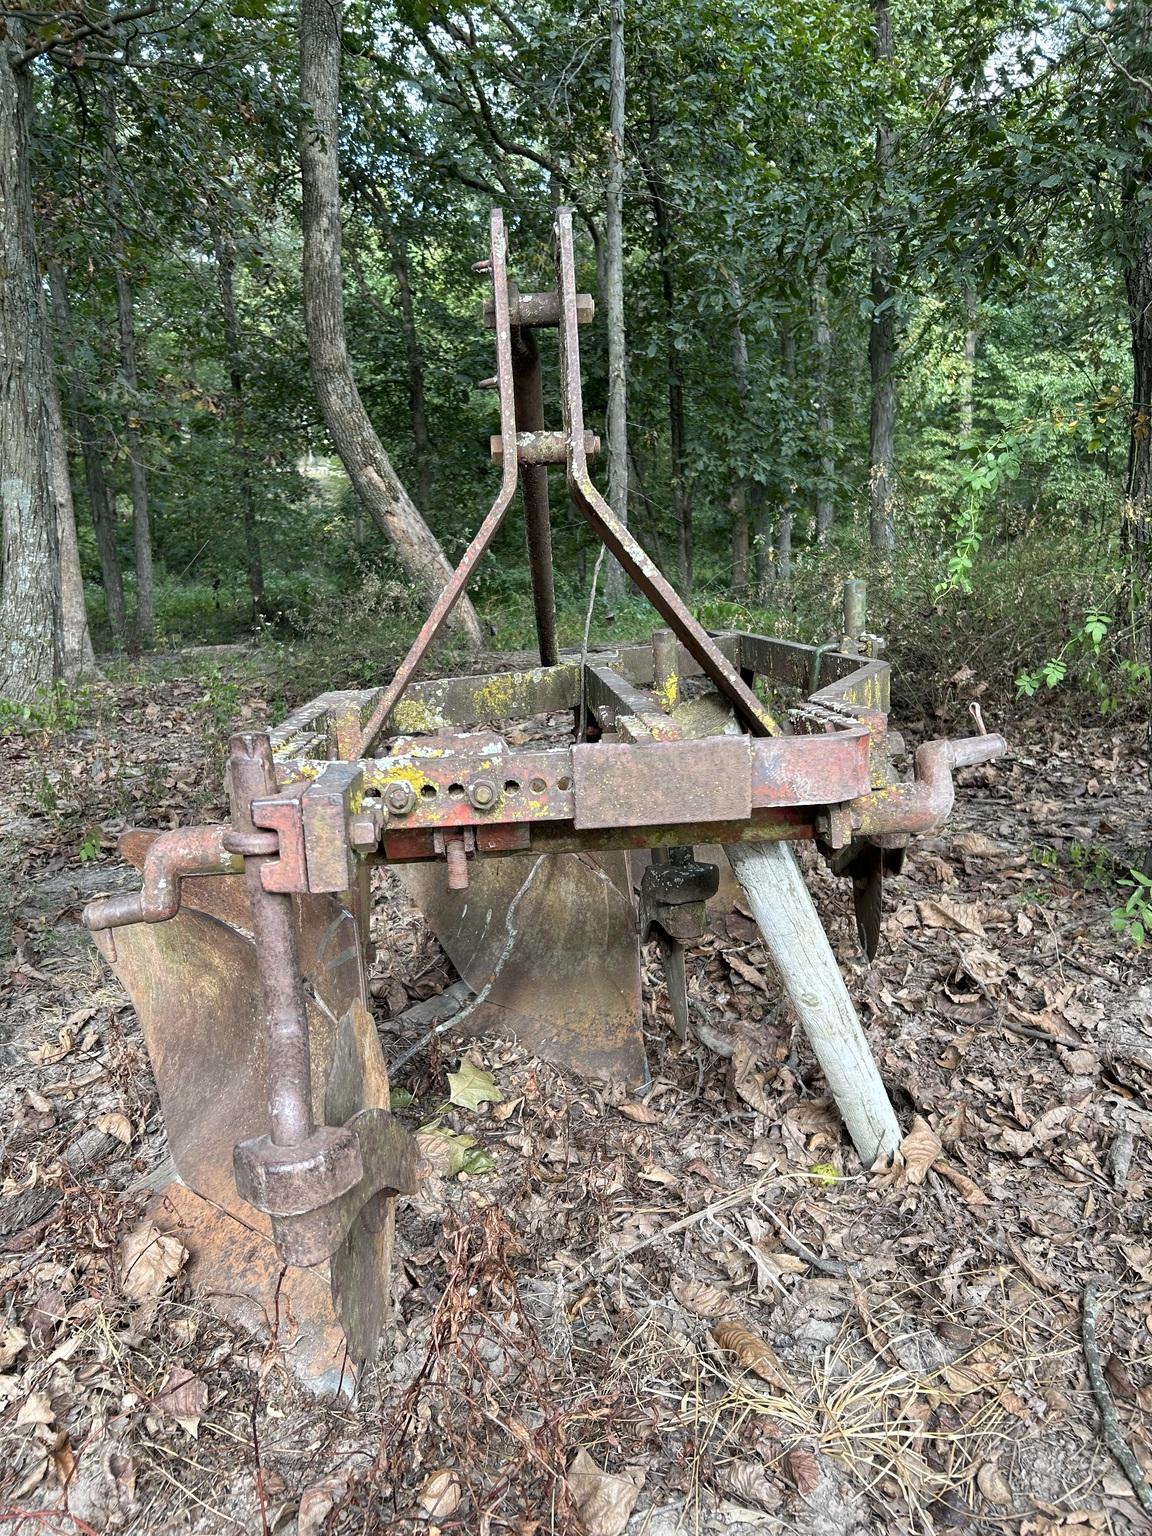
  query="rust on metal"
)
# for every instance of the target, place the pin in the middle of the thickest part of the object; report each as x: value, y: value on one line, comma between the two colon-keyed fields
x: 621, y: 785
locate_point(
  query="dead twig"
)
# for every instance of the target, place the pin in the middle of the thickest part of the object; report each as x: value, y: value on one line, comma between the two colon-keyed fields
x: 725, y: 1203
x: 835, y: 1267
x: 1110, y: 1431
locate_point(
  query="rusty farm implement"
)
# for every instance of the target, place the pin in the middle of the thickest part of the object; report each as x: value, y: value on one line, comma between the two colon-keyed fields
x: 541, y: 868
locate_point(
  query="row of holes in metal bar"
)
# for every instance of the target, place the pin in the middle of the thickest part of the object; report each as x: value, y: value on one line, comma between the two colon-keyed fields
x: 511, y: 787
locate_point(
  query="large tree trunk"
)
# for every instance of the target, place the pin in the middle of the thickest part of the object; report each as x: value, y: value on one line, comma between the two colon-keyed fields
x: 738, y: 499
x: 1138, y: 281
x: 369, y: 467
x: 30, y: 610
x: 77, y: 657
x: 825, y: 426
x: 99, y: 500
x: 882, y: 335
x: 130, y: 383
x: 614, y: 289
x: 226, y: 277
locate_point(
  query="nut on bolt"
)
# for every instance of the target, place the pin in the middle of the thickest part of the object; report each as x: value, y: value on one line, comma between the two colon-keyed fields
x: 400, y: 797
x: 364, y: 828
x: 483, y: 794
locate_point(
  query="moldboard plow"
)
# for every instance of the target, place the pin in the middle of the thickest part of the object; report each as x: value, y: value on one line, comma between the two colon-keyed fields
x: 541, y: 868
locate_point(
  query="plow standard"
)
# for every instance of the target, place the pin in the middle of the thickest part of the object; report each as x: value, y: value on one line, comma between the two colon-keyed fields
x: 541, y: 867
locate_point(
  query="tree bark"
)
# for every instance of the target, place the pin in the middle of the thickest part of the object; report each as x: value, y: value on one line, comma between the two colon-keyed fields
x: 414, y: 359
x: 226, y: 278
x: 130, y: 383
x: 762, y: 534
x: 31, y: 639
x: 100, y: 502
x: 369, y: 467
x: 77, y: 657
x: 784, y: 518
x: 1138, y: 285
x: 614, y: 289
x: 968, y: 372
x: 882, y: 335
x: 738, y: 500
x: 825, y: 424
x: 681, y: 507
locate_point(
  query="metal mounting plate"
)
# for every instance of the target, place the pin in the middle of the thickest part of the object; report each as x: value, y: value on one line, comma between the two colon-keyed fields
x: 616, y: 784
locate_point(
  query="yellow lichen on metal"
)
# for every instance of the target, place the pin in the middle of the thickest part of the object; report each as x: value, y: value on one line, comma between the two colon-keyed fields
x: 667, y: 693
x: 416, y: 717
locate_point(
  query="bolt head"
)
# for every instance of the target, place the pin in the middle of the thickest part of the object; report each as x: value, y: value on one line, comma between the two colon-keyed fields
x: 482, y: 794
x: 363, y: 831
x: 399, y: 798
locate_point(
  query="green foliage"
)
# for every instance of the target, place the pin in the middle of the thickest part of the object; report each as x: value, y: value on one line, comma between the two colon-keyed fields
x: 55, y: 710
x: 1133, y: 918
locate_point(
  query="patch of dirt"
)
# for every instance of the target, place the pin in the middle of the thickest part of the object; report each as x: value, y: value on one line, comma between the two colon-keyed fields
x: 916, y: 1363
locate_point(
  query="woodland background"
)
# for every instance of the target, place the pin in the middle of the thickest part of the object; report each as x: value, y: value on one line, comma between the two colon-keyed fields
x: 879, y: 281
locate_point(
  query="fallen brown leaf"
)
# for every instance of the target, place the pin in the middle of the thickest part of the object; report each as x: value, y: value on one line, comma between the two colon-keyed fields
x: 117, y: 1125
x: 942, y: 912
x: 35, y: 1409
x: 702, y: 1299
x: 919, y: 1150
x: 604, y: 1500
x: 802, y: 1469
x: 748, y: 1483
x: 182, y: 1397
x: 148, y: 1260
x: 746, y: 972
x: 750, y: 1349
x: 643, y: 1114
x: 990, y: 1481
x: 440, y: 1495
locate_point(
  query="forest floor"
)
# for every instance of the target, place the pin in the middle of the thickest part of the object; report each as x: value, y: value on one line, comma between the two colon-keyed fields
x: 916, y: 1354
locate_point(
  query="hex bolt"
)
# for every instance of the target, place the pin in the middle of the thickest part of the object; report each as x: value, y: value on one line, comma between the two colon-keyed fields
x: 483, y: 794
x: 457, y: 859
x: 364, y: 831
x: 400, y: 797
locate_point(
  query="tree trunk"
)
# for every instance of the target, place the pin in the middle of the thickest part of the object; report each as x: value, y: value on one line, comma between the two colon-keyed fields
x: 968, y: 372
x: 226, y: 274
x: 130, y: 383
x: 761, y: 517
x: 882, y: 335
x: 77, y: 657
x: 825, y: 426
x: 614, y: 291
x: 784, y: 519
x: 417, y: 404
x: 30, y: 609
x: 369, y: 468
x: 681, y: 508
x: 138, y: 479
x: 99, y: 501
x: 738, y: 500
x: 1138, y: 281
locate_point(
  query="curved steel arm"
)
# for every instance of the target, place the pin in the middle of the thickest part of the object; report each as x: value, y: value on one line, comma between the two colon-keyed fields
x: 926, y: 802
x: 184, y: 851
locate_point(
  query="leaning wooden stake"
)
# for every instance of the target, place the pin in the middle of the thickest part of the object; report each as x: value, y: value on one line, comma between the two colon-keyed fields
x: 771, y: 880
